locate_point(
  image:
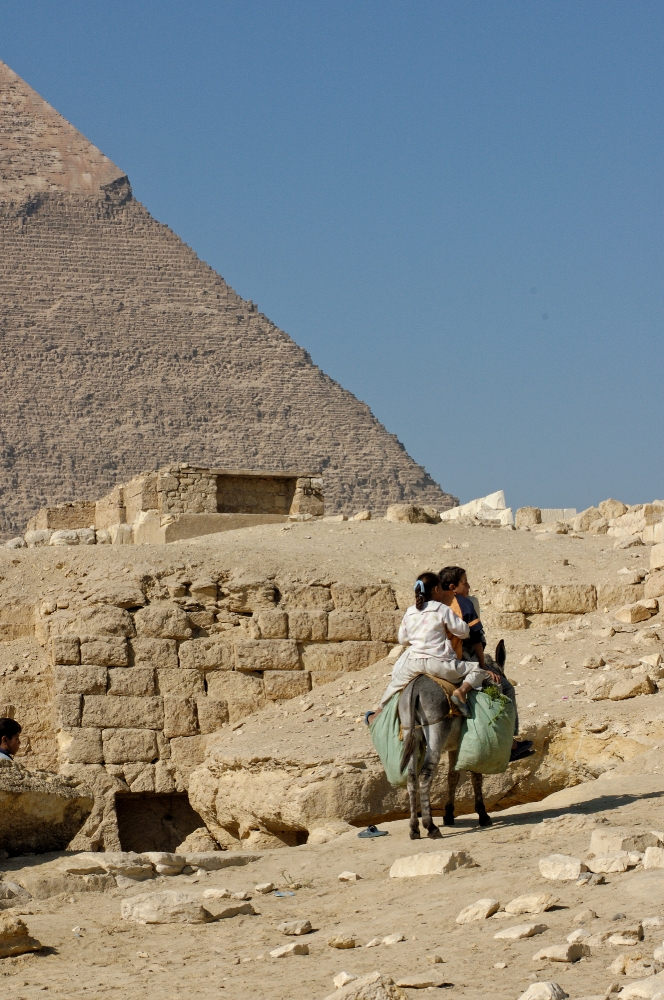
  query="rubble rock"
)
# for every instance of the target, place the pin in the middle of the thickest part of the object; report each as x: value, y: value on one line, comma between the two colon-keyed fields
x: 627, y: 935
x: 438, y: 863
x: 14, y: 937
x: 544, y: 991
x: 654, y: 857
x: 423, y: 981
x: 610, y: 863
x: 342, y: 941
x: 536, y: 902
x: 295, y: 927
x: 632, y: 613
x: 632, y: 687
x: 408, y: 513
x: 343, y: 978
x: 290, y: 949
x: 520, y: 931
x: 374, y: 986
x: 606, y: 840
x: 561, y: 868
x: 562, y: 953
x: 168, y: 907
x: 480, y: 910
x: 395, y: 938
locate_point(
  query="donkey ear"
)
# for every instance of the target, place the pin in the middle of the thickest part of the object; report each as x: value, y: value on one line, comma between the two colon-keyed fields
x: 501, y: 654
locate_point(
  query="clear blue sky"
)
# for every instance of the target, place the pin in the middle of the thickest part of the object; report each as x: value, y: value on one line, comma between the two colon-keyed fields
x: 456, y: 208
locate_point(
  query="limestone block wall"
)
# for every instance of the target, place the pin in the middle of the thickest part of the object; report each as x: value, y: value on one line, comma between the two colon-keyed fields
x: 520, y: 605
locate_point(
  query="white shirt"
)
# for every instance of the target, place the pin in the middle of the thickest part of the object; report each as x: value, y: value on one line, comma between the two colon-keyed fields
x: 426, y: 630
x: 6, y: 756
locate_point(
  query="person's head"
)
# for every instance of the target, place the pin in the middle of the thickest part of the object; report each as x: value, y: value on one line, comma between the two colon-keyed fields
x: 9, y: 736
x: 454, y: 578
x: 425, y: 589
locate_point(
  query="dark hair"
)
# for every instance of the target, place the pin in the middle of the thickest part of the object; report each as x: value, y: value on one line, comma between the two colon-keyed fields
x: 9, y: 728
x: 427, y: 582
x: 451, y: 576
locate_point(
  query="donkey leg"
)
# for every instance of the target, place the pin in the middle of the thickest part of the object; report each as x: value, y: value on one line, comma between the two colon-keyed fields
x: 431, y: 759
x: 452, y: 782
x: 412, y: 791
x: 480, y: 809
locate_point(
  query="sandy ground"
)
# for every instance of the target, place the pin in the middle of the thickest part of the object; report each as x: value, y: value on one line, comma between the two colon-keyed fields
x: 108, y: 955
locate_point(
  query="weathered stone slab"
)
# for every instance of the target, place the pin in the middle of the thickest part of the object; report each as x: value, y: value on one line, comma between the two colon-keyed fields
x: 243, y: 693
x: 574, y: 598
x: 207, y: 654
x: 342, y: 656
x: 307, y: 626
x: 80, y: 680
x: 131, y: 681
x: 124, y: 746
x: 266, y: 654
x: 39, y: 812
x: 161, y: 653
x: 347, y: 625
x: 180, y: 718
x: 435, y: 863
x: 283, y: 684
x: 123, y: 713
x: 181, y: 682
x: 109, y: 652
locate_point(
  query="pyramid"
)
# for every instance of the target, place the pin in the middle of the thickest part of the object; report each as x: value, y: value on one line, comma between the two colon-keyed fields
x: 121, y: 351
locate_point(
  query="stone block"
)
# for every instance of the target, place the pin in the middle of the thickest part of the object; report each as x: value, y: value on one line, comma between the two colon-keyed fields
x: 384, y: 625
x: 212, y: 713
x: 307, y: 626
x: 180, y: 718
x: 203, y: 590
x: 80, y: 680
x: 509, y: 621
x: 65, y: 649
x: 250, y: 596
x: 67, y: 711
x: 583, y: 520
x: 342, y: 656
x: 570, y: 598
x: 283, y: 684
x: 131, y: 681
x: 272, y: 624
x: 345, y: 624
x: 524, y: 597
x: 186, y: 683
x: 526, y: 517
x: 614, y: 595
x: 654, y: 857
x: 242, y: 693
x: 633, y: 613
x: 187, y: 753
x: 612, y: 508
x: 562, y: 953
x: 561, y: 868
x: 123, y: 713
x: 166, y: 907
x: 657, y: 557
x: 162, y: 620
x: 139, y: 777
x: 154, y: 653
x: 432, y: 863
x: 535, y: 902
x: 201, y: 619
x: 599, y: 687
x: 82, y: 746
x: 104, y: 620
x: 654, y: 585
x: 207, y: 654
x: 110, y: 652
x: 266, y: 654
x: 302, y: 596
x: 164, y: 784
x: 520, y: 931
x: 631, y: 687
x: 371, y: 598
x: 127, y: 746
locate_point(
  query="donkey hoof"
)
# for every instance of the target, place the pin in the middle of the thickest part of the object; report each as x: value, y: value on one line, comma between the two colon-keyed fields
x: 485, y: 820
x: 415, y: 835
x: 434, y: 834
x: 448, y: 820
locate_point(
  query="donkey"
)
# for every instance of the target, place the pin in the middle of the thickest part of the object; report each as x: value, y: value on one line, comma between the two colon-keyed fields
x: 424, y: 713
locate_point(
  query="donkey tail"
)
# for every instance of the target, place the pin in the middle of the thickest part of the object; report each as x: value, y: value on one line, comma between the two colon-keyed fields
x: 410, y: 741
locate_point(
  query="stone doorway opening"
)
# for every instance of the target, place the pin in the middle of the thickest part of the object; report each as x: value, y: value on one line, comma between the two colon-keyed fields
x: 151, y: 822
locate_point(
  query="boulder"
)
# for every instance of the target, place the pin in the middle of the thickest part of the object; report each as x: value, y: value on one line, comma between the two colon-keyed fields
x: 480, y: 910
x: 168, y: 907
x: 408, y: 513
x: 644, y: 989
x: 631, y: 614
x: 561, y: 868
x: 14, y: 937
x: 631, y: 687
x: 295, y: 927
x: 374, y: 986
x: 438, y: 863
x: 40, y: 812
x: 609, y: 863
x: 544, y: 991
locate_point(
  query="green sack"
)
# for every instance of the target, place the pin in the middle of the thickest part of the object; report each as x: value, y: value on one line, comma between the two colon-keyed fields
x: 486, y: 738
x: 385, y: 737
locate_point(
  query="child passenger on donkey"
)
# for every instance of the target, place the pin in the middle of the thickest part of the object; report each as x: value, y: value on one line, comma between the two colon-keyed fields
x: 427, y: 626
